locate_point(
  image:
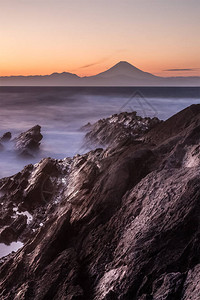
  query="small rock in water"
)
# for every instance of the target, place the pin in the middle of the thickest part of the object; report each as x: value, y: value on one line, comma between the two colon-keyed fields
x: 28, y: 142
x: 6, y: 137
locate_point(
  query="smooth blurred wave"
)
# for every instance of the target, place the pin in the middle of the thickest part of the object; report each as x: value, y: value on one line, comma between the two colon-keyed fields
x: 61, y: 111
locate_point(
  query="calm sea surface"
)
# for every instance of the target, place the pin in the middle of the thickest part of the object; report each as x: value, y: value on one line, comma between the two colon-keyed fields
x: 61, y: 111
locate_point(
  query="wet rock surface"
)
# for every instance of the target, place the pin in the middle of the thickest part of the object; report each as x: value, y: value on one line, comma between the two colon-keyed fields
x: 119, y: 223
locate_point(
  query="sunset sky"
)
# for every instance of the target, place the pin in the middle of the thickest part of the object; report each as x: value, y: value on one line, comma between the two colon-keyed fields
x: 88, y: 36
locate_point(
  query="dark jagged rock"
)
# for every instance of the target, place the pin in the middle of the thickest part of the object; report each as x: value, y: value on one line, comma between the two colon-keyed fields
x: 86, y: 127
x: 28, y: 142
x: 120, y: 223
x: 28, y: 194
x: 118, y: 127
x: 6, y: 137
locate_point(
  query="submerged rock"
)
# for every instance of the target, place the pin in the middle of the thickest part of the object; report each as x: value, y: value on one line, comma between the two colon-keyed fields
x: 120, y: 223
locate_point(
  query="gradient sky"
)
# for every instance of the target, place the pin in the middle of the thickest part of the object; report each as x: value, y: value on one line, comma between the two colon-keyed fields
x: 88, y: 36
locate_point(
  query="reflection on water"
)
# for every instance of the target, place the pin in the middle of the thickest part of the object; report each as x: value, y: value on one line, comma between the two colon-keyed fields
x: 62, y: 111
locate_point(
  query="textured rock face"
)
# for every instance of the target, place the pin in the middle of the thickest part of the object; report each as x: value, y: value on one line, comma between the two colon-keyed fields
x: 120, y: 223
x: 28, y: 142
x: 118, y: 127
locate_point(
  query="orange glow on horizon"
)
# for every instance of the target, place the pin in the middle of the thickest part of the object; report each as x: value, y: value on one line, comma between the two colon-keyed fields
x: 87, y: 37
x: 91, y: 71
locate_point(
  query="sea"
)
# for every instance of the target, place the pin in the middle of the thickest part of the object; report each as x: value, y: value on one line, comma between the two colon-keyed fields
x: 62, y: 111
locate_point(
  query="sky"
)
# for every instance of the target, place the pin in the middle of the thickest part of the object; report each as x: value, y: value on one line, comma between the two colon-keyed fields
x: 86, y: 37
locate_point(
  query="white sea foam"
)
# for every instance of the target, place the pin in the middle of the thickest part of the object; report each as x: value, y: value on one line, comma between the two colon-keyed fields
x: 25, y: 213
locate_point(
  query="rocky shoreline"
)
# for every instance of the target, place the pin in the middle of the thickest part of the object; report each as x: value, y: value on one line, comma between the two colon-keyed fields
x: 115, y: 223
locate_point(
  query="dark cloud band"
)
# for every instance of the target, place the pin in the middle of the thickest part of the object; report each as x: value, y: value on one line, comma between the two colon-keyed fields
x: 177, y: 70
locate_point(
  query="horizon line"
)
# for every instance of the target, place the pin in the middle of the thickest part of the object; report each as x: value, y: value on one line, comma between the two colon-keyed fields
x: 86, y: 76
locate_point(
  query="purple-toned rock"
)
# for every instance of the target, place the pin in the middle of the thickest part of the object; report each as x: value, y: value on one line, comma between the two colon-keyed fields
x: 118, y: 127
x: 121, y: 223
x: 28, y: 142
x: 6, y: 137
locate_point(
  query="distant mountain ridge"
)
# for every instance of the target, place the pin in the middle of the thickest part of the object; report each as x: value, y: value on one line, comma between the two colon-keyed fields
x: 121, y: 74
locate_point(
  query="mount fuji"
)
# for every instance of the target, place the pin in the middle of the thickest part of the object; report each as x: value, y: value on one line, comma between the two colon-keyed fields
x: 121, y: 74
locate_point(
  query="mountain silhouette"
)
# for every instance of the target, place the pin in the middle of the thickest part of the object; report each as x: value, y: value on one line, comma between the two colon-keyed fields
x: 121, y: 74
x: 66, y: 75
x: 125, y: 68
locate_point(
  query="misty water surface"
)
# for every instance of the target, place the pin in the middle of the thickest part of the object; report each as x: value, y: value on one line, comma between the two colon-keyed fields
x: 61, y: 111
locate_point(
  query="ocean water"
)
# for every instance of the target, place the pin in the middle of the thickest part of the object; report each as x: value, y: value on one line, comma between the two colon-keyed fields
x: 6, y: 249
x: 61, y: 111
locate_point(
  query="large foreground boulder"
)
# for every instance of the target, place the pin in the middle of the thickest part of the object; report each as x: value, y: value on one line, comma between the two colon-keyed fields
x: 110, y: 224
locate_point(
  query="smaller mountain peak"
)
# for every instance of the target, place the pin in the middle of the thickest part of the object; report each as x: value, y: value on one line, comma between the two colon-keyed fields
x: 63, y: 75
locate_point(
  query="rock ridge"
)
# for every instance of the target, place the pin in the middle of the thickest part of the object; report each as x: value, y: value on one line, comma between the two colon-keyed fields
x: 115, y: 223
